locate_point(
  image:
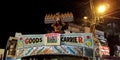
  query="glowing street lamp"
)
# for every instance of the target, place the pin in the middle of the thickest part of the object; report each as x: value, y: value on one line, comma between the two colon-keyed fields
x: 102, y: 8
x: 85, y: 17
x: 97, y: 13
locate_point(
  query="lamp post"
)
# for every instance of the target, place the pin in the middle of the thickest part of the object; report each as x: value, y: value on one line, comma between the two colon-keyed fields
x: 96, y: 15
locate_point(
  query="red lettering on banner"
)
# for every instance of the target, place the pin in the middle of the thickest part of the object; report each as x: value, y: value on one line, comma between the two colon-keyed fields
x: 26, y: 40
x: 80, y: 39
x: 33, y: 40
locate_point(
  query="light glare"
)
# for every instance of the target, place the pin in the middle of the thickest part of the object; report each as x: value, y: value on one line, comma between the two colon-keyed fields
x: 101, y: 9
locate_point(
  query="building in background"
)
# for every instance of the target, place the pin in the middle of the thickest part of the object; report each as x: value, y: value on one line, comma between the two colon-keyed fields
x: 2, y: 54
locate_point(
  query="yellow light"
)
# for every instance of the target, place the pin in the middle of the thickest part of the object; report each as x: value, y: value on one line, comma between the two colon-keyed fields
x: 85, y: 17
x: 101, y: 8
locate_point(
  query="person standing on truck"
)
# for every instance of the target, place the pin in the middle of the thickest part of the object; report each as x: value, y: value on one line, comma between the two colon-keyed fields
x: 58, y: 25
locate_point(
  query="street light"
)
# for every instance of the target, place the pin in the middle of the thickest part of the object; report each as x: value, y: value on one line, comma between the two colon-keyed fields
x: 85, y: 17
x: 96, y: 15
x: 101, y: 9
